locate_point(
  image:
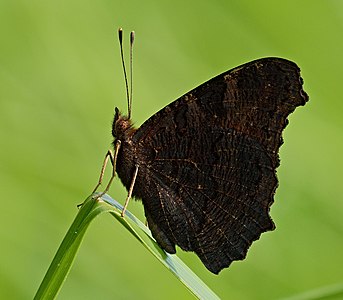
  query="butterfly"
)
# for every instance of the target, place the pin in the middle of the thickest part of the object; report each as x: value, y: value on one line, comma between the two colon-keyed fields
x: 205, y: 165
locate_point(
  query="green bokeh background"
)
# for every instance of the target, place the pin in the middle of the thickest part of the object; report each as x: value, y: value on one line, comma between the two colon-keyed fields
x: 60, y: 78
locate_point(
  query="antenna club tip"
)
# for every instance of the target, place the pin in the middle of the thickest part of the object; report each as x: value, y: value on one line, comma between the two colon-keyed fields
x: 132, y: 37
x: 120, y: 33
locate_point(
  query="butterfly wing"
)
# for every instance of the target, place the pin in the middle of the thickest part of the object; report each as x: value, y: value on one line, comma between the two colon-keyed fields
x: 208, y: 176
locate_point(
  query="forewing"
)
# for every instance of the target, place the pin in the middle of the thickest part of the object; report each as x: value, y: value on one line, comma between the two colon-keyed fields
x: 210, y: 159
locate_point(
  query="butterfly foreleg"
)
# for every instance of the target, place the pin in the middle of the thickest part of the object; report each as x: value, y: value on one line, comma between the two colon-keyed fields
x: 113, y: 158
x: 129, y: 194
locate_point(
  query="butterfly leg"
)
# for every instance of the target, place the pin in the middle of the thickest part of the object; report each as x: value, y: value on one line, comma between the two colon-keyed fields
x: 130, y: 190
x: 113, y: 159
x: 109, y: 155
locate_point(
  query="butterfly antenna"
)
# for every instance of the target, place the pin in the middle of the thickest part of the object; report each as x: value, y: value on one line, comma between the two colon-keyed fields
x: 132, y: 38
x: 120, y: 36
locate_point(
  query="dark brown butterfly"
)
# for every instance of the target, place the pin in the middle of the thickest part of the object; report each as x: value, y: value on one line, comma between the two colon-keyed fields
x: 205, y: 165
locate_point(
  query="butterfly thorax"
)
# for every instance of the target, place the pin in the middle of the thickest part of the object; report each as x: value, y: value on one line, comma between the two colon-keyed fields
x: 123, y: 130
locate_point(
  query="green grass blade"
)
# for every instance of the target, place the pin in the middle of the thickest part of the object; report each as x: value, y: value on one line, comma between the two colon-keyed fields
x: 66, y: 253
x: 172, y: 262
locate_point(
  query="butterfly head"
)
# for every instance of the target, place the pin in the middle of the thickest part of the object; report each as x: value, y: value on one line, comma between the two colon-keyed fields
x: 122, y: 128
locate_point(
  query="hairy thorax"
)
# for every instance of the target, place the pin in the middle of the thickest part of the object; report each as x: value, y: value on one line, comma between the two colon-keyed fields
x: 123, y: 131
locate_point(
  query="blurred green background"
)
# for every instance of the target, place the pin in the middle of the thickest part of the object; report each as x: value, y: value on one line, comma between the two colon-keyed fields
x: 60, y: 78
